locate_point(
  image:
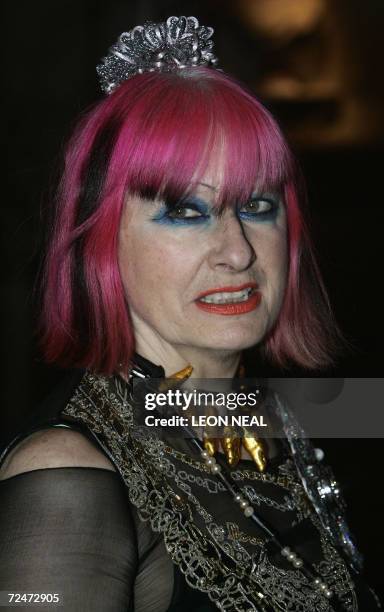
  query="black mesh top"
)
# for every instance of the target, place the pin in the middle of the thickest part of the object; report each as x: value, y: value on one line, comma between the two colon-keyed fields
x: 74, y: 532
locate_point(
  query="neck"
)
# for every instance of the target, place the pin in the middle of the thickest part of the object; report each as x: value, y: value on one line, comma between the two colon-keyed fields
x: 206, y: 363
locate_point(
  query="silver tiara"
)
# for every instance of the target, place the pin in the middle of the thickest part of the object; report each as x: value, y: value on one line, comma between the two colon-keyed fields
x: 177, y: 43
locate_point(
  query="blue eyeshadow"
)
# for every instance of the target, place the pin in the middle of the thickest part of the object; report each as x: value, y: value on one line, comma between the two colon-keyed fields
x: 204, y: 210
x: 164, y: 215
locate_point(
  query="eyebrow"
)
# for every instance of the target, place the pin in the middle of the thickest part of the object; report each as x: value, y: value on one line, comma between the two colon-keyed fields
x: 206, y: 185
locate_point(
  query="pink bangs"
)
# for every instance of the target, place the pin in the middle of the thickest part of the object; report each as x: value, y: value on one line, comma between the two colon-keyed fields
x: 176, y: 126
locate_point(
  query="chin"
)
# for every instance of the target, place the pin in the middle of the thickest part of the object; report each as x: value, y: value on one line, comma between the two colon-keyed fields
x: 236, y: 340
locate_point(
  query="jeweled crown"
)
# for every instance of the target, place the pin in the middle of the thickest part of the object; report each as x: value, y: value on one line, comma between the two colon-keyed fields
x: 165, y: 47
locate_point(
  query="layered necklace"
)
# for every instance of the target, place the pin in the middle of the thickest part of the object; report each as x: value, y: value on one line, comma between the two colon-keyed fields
x: 219, y: 469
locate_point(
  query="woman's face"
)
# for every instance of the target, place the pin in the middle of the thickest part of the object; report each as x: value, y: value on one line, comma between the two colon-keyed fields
x: 169, y: 257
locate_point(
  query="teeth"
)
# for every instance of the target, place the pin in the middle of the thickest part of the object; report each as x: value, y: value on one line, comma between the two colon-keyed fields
x: 227, y: 298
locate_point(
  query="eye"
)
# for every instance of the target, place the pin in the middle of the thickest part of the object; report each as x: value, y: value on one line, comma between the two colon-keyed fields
x: 184, y: 211
x: 258, y: 206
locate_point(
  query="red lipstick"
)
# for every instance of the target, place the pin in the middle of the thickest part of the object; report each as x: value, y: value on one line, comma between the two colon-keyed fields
x: 234, y: 308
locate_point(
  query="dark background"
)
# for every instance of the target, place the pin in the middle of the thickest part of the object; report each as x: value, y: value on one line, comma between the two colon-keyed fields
x: 322, y: 78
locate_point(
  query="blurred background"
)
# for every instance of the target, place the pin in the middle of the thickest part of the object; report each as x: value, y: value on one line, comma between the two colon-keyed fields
x: 317, y: 65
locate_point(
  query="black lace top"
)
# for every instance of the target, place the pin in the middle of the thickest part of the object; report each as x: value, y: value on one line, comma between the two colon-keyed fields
x: 136, y: 540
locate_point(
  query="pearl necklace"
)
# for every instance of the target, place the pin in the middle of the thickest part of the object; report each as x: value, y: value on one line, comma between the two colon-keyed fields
x: 249, y: 512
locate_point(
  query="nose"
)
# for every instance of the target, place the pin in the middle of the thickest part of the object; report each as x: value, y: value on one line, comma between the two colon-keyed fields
x: 231, y: 250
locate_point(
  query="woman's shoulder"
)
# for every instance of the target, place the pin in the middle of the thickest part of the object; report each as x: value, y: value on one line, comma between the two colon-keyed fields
x: 53, y: 447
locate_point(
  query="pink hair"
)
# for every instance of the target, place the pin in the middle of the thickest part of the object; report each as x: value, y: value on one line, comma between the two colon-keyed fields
x: 154, y: 136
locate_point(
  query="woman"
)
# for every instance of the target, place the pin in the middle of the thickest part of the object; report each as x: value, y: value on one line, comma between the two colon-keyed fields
x: 178, y: 242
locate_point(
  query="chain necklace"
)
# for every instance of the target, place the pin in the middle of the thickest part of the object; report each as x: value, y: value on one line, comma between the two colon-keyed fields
x: 219, y: 469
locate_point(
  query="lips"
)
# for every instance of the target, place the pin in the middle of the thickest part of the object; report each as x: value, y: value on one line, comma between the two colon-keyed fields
x: 231, y: 308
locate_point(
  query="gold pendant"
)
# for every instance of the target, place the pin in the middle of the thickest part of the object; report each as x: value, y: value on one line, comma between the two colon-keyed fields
x: 231, y: 445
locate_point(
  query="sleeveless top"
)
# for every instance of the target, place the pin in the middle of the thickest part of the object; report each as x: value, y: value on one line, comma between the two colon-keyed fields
x: 161, y: 533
